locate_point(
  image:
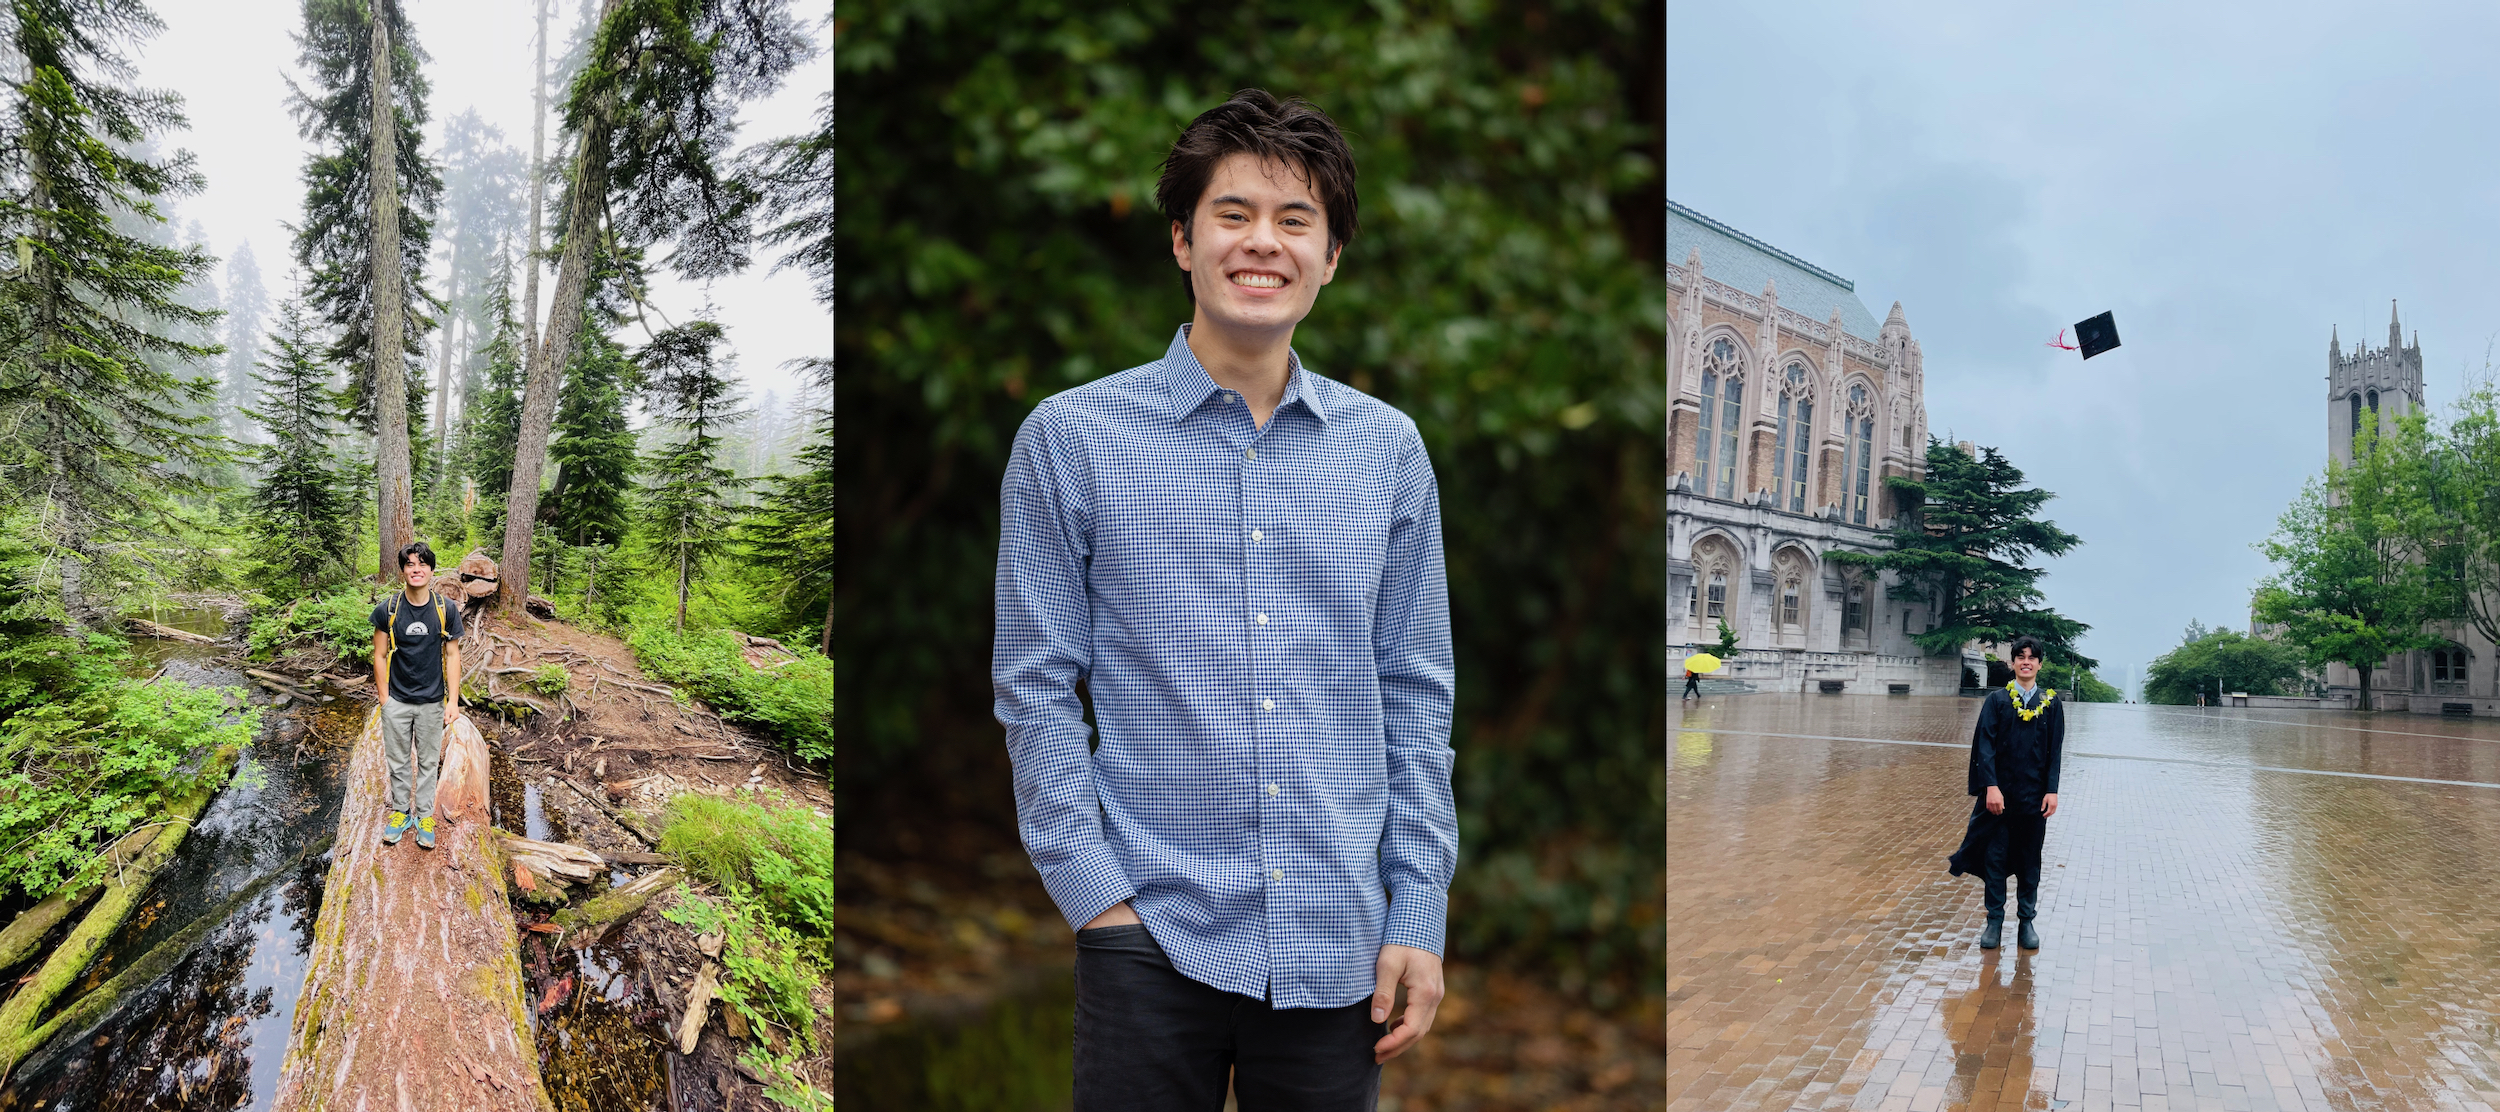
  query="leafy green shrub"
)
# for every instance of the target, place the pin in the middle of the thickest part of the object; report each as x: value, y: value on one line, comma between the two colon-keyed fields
x: 769, y: 981
x: 795, y: 701
x: 44, y: 667
x: 550, y: 680
x: 781, y: 851
x: 77, y: 772
x: 340, y: 620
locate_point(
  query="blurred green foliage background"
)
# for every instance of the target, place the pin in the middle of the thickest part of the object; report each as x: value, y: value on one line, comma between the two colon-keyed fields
x: 998, y: 244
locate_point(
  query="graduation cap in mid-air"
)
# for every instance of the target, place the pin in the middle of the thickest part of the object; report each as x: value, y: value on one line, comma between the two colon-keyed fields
x: 2097, y: 334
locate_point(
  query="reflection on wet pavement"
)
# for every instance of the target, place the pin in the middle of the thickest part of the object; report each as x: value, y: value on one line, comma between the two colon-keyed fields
x: 2241, y: 910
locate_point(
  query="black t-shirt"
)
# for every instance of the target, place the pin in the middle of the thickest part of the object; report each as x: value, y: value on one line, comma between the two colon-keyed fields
x: 416, y: 661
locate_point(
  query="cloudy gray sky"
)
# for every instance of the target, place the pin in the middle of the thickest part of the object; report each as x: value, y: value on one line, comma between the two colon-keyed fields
x: 230, y: 60
x: 2231, y: 181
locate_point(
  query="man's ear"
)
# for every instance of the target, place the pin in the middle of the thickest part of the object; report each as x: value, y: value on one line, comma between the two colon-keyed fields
x: 1180, y: 244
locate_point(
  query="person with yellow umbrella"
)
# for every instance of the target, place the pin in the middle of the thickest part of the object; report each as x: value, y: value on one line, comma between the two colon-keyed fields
x: 1695, y: 667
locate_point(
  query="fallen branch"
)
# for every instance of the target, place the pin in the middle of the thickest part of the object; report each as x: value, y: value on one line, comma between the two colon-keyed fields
x: 698, y: 1008
x: 168, y: 633
x: 583, y: 925
x: 631, y: 826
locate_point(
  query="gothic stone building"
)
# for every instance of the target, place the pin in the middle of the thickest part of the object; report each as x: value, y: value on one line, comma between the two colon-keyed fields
x: 2381, y: 385
x: 1789, y: 405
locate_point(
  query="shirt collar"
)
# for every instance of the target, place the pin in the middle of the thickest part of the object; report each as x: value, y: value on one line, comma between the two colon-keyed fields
x: 1187, y: 381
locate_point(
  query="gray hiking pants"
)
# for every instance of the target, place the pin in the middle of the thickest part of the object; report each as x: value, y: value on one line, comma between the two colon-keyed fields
x: 413, y: 729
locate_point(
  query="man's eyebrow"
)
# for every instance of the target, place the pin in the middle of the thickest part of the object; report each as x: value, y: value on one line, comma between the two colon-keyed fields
x: 1245, y: 202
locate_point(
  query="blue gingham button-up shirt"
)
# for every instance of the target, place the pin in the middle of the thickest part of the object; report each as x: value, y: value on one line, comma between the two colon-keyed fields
x: 1260, y: 617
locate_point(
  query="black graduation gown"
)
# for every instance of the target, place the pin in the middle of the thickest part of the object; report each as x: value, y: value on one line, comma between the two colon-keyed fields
x: 2021, y: 759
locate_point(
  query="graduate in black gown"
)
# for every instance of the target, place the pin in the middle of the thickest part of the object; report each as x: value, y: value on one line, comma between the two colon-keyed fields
x: 2014, y: 756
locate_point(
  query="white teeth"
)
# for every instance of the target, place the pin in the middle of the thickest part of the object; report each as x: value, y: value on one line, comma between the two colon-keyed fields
x: 1258, y: 281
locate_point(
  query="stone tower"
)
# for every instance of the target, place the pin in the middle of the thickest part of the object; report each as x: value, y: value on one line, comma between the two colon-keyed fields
x: 2377, y: 385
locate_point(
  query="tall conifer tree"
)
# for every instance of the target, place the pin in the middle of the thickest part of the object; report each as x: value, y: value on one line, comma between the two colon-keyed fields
x: 493, y: 417
x: 594, y: 445
x: 692, y: 502
x: 652, y: 113
x: 247, y: 313
x: 300, y: 511
x: 92, y: 415
x: 353, y: 209
x: 793, y: 534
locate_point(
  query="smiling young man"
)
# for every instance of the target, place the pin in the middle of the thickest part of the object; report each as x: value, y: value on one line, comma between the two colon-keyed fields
x: 416, y: 669
x: 1240, y: 560
x: 2016, y: 749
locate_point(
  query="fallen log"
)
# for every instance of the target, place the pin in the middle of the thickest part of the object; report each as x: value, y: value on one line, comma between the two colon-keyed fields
x: 120, y: 895
x: 146, y: 628
x: 28, y: 929
x: 415, y: 963
x: 583, y: 925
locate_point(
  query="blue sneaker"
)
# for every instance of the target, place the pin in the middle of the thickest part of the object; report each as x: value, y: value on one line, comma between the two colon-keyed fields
x: 398, y: 826
x: 425, y: 832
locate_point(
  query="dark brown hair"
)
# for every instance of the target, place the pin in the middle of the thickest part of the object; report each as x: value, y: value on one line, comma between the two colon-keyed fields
x: 1292, y: 131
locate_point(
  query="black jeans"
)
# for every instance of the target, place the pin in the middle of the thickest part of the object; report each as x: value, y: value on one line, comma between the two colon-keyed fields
x: 1149, y: 1039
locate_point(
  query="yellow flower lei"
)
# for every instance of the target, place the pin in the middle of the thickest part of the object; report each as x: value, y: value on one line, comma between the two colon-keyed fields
x: 2035, y: 712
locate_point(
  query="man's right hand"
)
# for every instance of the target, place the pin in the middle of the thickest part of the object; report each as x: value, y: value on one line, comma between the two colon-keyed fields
x: 1996, y: 805
x: 1121, y: 914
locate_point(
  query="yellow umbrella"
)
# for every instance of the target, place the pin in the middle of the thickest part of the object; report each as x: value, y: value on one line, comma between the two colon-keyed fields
x: 1702, y: 663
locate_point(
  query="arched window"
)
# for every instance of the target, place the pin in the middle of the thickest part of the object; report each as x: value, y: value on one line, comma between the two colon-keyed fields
x: 2448, y: 676
x: 1718, y: 595
x: 1858, y: 478
x: 1731, y: 426
x: 2356, y: 416
x: 1718, y: 366
x: 1853, y: 609
x: 1788, y: 601
x: 1789, y: 456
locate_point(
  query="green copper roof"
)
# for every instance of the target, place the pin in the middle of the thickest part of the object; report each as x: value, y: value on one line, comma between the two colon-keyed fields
x: 1740, y: 260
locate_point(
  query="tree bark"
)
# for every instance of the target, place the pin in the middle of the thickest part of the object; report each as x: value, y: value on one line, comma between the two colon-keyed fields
x: 394, y: 522
x: 412, y: 993
x: 547, y: 360
x: 442, y: 377
x: 538, y: 182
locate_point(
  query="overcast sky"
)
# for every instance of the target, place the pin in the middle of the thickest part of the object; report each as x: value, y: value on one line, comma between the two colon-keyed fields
x: 230, y: 60
x: 2232, y: 181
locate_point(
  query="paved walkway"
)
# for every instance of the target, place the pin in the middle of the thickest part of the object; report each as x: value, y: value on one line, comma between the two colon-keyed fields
x: 2241, y: 910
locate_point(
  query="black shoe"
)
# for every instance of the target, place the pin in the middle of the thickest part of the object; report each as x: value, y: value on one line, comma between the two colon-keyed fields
x: 1994, y: 936
x: 2029, y: 938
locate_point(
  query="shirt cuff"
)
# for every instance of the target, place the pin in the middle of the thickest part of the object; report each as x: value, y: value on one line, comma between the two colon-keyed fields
x: 1419, y: 916
x: 1086, y: 885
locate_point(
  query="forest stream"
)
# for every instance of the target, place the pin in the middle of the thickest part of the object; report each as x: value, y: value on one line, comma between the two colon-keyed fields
x: 238, y: 904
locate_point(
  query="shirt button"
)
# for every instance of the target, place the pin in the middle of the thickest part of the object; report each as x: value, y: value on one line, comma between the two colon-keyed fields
x: 1250, y: 453
x: 1257, y: 536
x: 1262, y: 619
x: 1271, y: 789
x: 1276, y: 874
x: 1267, y: 704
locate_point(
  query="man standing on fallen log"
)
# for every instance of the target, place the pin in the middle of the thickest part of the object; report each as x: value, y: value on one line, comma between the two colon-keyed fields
x: 1241, y: 561
x: 416, y: 667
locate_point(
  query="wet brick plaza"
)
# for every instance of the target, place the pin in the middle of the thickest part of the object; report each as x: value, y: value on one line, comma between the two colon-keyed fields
x: 2240, y: 909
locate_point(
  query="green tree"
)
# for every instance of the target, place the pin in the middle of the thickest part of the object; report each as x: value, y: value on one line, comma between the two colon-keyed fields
x: 370, y: 194
x: 299, y: 511
x: 2465, y: 473
x: 491, y: 418
x: 2089, y: 687
x: 93, y: 423
x: 1965, y: 535
x: 793, y: 532
x: 594, y: 446
x: 480, y: 213
x: 247, y: 314
x: 998, y: 245
x: 652, y: 111
x: 2353, y: 584
x: 2205, y: 657
x: 690, y: 511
